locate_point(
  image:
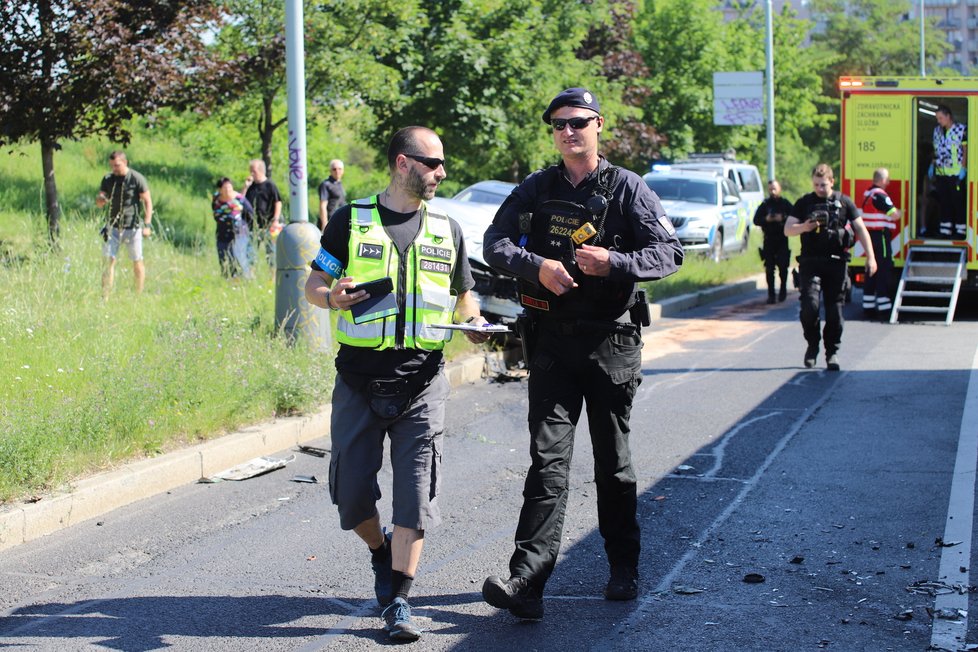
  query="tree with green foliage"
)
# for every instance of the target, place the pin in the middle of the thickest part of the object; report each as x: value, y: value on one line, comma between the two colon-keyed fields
x: 632, y: 142
x: 346, y: 43
x: 481, y: 74
x: 873, y: 37
x: 72, y: 68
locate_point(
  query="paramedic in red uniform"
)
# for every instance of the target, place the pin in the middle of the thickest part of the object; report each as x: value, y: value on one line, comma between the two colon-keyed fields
x: 880, y: 217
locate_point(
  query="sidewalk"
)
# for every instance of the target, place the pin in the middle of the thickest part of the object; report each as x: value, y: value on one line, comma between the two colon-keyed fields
x: 102, y: 493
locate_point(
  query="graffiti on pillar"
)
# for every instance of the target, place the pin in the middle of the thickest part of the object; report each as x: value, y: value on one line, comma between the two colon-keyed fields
x: 297, y: 172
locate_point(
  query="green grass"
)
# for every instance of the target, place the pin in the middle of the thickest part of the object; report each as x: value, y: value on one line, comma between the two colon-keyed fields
x: 699, y: 273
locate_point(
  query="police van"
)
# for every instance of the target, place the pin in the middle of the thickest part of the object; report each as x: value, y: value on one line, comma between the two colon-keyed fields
x: 744, y: 176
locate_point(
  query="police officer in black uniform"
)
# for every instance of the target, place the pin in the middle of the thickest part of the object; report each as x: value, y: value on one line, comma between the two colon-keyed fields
x: 775, y: 253
x: 821, y: 218
x: 578, y: 235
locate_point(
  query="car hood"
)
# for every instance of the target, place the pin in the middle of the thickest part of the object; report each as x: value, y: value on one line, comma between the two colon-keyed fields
x: 472, y: 217
x: 676, y: 208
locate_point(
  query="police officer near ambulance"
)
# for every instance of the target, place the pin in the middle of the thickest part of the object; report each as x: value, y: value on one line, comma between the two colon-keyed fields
x: 823, y: 219
x: 879, y: 216
x: 390, y: 380
x: 578, y: 236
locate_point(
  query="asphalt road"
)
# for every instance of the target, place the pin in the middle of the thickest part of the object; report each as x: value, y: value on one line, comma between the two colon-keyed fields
x: 836, y: 489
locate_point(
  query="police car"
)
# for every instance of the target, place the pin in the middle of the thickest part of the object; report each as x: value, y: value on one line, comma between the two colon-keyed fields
x: 706, y: 208
x: 473, y: 208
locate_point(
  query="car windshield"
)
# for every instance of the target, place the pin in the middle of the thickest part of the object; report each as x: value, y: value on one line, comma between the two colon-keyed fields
x: 480, y: 196
x: 691, y: 190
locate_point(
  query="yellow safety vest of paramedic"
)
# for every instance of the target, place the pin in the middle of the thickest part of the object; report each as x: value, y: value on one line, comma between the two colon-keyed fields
x: 423, y: 297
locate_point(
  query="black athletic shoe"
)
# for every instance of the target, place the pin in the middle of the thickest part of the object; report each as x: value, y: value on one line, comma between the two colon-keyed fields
x: 783, y: 294
x: 832, y: 362
x: 811, y: 353
x: 515, y: 594
x: 770, y: 298
x: 623, y: 584
x: 398, y: 621
x: 381, y: 564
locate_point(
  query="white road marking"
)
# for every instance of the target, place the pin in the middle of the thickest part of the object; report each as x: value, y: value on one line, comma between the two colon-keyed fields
x: 949, y: 633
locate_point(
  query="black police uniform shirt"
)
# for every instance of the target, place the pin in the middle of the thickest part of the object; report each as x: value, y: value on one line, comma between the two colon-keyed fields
x: 817, y: 244
x: 774, y: 237
x: 357, y: 364
x: 639, y: 235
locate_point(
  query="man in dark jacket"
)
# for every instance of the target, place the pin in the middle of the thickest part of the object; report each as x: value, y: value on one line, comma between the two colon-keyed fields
x: 775, y: 253
x: 578, y: 236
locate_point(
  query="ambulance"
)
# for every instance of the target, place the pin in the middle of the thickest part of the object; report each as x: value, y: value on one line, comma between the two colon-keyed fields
x: 889, y: 122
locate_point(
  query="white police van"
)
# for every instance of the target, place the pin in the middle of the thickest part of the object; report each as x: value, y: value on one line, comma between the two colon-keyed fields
x: 745, y: 176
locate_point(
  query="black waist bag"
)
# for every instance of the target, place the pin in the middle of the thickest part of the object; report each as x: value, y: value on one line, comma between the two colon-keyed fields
x: 390, y: 397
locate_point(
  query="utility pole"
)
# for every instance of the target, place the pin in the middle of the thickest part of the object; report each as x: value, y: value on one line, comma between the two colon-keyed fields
x: 771, y: 172
x: 298, y: 242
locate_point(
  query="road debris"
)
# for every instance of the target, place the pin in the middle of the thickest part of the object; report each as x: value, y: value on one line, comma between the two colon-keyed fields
x: 250, y: 469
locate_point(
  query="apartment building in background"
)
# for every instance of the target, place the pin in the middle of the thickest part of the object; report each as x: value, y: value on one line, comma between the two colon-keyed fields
x: 958, y: 19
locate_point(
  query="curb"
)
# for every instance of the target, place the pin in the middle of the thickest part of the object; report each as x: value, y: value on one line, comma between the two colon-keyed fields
x: 99, y: 494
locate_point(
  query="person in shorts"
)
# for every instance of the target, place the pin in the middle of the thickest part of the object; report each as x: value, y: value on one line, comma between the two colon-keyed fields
x: 123, y: 190
x: 390, y: 380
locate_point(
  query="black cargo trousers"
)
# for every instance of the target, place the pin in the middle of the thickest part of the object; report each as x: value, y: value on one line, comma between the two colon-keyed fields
x: 822, y: 280
x: 576, y: 364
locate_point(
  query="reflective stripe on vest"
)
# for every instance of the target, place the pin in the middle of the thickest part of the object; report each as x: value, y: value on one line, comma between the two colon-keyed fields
x: 872, y: 218
x: 424, y: 296
x: 948, y: 150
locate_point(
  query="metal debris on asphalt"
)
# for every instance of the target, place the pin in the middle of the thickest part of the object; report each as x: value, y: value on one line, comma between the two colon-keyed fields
x: 932, y: 588
x: 681, y: 589
x: 305, y: 478
x: 250, y: 469
x: 906, y: 614
x: 313, y: 450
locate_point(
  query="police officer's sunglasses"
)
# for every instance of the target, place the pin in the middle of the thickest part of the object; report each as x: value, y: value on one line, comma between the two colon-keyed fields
x: 427, y: 161
x: 577, y: 123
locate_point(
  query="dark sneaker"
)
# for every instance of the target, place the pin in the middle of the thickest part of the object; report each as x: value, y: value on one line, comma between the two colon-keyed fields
x: 623, y: 584
x: 398, y: 621
x: 770, y: 298
x: 811, y: 353
x: 832, y: 362
x: 515, y: 594
x: 783, y: 294
x: 381, y: 564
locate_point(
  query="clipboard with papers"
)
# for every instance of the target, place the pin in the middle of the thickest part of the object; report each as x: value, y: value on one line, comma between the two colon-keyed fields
x: 484, y: 328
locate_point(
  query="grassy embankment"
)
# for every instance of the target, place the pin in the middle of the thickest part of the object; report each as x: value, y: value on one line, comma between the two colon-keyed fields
x: 87, y: 384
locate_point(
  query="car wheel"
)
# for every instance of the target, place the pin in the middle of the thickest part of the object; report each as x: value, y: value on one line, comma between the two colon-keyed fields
x: 716, y: 249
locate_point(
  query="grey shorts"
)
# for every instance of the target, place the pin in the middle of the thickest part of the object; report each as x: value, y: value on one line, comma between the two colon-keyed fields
x: 132, y: 238
x: 357, y: 452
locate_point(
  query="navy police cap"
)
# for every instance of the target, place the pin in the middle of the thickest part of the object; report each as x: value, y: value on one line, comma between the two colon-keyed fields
x: 572, y: 97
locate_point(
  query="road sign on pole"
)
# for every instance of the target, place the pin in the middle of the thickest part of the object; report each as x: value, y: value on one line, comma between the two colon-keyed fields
x: 738, y: 98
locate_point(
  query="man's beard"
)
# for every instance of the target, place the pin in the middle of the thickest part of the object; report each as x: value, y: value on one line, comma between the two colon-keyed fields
x: 416, y: 186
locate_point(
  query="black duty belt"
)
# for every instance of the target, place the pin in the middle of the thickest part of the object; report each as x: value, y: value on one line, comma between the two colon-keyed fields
x: 587, y: 326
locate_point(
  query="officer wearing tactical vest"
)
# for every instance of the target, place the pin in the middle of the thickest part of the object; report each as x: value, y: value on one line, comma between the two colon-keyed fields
x: 578, y: 236
x: 821, y: 219
x: 880, y: 217
x: 389, y: 378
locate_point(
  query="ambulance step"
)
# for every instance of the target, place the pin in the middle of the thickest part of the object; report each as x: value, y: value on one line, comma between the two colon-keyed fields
x: 931, y: 282
x: 925, y: 293
x: 940, y: 280
x: 934, y: 309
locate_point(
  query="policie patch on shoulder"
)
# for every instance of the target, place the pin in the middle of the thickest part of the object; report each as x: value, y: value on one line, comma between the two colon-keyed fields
x: 372, y: 251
